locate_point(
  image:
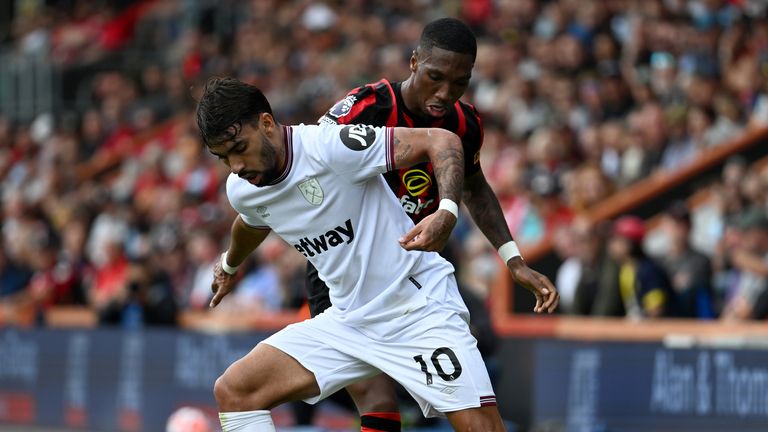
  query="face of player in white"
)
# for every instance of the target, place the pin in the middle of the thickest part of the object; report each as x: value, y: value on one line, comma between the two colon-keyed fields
x: 438, y: 79
x: 256, y: 154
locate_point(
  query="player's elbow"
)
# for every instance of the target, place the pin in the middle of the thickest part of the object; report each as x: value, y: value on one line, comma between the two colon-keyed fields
x: 447, y: 139
x: 447, y: 146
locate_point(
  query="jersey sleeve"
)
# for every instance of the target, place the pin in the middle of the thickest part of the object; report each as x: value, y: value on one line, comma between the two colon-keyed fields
x: 363, y: 105
x: 253, y: 221
x: 472, y: 139
x: 233, y: 194
x: 357, y: 152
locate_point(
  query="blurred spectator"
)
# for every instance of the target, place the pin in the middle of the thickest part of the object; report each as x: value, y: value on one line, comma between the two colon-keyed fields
x: 146, y: 299
x: 680, y: 150
x: 108, y: 280
x: 709, y: 219
x: 203, y: 250
x: 13, y: 278
x: 586, y: 186
x: 588, y: 276
x: 743, y: 265
x: 689, y: 271
x: 54, y: 282
x: 642, y: 289
x: 266, y: 284
x: 579, y: 100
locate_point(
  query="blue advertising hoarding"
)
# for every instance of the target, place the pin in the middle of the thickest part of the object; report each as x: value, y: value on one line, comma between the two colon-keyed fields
x: 593, y: 387
x: 109, y: 380
x: 113, y: 380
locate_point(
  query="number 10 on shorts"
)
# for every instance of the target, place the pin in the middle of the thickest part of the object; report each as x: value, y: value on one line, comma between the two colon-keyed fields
x: 438, y: 368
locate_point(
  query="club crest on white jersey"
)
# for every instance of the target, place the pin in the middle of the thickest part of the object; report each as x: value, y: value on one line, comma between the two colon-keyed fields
x: 312, y: 191
x: 334, y: 207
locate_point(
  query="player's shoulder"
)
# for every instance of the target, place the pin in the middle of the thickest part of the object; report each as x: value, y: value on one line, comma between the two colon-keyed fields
x: 384, y: 88
x: 352, y: 136
x: 362, y: 103
x: 316, y: 140
x: 236, y: 189
x: 470, y: 113
x: 469, y: 125
x: 310, y: 133
x: 381, y: 89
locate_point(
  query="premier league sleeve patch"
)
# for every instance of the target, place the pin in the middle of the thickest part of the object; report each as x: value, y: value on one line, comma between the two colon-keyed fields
x: 342, y: 107
x: 358, y: 137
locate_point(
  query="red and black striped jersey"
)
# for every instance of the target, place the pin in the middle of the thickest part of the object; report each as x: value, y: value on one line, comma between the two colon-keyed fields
x: 381, y: 104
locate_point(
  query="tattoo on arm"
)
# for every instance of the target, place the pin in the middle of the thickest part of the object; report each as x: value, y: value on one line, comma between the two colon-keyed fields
x: 485, y: 210
x: 443, y: 150
x: 449, y: 172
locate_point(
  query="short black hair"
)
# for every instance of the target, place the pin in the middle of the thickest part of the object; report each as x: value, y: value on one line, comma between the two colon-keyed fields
x: 449, y: 34
x: 226, y: 104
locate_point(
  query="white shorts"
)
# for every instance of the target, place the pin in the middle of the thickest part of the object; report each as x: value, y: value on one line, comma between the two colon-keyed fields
x: 429, y: 351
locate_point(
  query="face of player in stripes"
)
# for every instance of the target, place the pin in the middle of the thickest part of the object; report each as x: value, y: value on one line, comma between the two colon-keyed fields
x: 252, y: 154
x: 439, y: 78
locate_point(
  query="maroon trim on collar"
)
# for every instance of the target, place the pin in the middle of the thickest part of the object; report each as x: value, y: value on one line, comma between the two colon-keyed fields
x: 288, y: 142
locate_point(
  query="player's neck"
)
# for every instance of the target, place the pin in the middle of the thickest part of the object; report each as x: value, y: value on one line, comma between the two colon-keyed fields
x: 279, y: 143
x: 409, y: 97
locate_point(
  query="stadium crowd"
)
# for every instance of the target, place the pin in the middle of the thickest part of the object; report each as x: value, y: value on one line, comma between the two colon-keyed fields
x: 113, y: 202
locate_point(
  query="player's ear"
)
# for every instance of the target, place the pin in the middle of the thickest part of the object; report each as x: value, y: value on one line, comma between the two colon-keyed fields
x: 267, y: 121
x: 414, y: 61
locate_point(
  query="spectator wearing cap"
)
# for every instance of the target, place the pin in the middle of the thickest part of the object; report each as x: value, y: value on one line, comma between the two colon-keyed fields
x: 689, y: 271
x: 642, y: 289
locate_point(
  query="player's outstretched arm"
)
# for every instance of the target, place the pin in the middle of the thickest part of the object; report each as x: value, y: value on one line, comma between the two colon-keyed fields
x: 444, y: 151
x: 243, y: 240
x: 486, y: 212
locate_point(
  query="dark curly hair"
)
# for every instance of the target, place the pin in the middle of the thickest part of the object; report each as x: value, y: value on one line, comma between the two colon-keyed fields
x: 225, y: 106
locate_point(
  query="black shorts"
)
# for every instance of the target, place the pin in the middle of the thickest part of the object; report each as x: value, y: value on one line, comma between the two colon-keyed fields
x: 317, y: 292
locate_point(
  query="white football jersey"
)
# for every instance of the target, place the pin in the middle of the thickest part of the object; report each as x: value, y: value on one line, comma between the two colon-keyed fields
x: 334, y: 207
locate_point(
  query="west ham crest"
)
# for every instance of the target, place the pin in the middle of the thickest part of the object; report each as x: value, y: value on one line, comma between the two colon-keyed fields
x: 311, y: 190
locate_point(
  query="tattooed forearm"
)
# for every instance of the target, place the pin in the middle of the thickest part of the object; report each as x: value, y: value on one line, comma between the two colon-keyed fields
x: 442, y: 148
x: 485, y: 210
x: 448, y: 163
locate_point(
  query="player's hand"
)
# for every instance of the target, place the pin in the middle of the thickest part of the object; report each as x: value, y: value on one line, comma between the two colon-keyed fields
x: 547, y: 297
x: 431, y: 234
x: 223, y: 283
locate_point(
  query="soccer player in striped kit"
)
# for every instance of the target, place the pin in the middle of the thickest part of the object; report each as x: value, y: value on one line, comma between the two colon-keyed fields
x: 441, y: 68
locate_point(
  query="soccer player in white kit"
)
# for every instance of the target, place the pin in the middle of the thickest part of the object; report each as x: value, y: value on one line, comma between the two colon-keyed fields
x: 396, y: 308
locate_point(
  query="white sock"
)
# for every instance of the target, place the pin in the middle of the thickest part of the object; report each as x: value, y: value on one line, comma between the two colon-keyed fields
x: 246, y: 421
